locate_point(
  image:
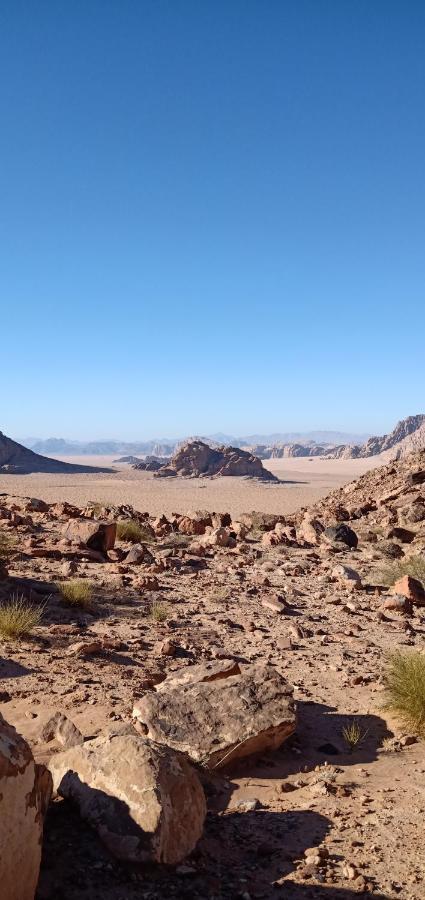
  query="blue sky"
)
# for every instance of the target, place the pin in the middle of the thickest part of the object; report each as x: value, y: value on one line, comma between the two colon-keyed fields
x: 212, y: 216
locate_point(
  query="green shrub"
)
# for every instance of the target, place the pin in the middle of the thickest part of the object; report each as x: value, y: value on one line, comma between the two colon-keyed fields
x: 18, y: 617
x: 76, y: 592
x: 131, y: 530
x: 405, y: 689
x: 410, y: 565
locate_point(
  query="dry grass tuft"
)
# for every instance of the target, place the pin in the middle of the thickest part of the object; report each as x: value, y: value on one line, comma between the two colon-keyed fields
x: 131, y: 530
x: 18, y: 617
x: 410, y: 565
x: 405, y: 689
x: 353, y: 735
x: 159, y: 611
x: 76, y: 592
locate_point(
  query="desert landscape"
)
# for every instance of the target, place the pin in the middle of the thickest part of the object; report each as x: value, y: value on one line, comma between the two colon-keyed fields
x: 221, y: 647
x: 301, y: 482
x: 212, y: 450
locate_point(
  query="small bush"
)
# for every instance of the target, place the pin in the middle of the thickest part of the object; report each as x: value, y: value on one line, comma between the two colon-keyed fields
x: 405, y: 689
x: 353, y: 735
x: 131, y: 530
x: 18, y: 617
x: 7, y: 546
x: 159, y: 611
x: 410, y: 565
x: 76, y: 592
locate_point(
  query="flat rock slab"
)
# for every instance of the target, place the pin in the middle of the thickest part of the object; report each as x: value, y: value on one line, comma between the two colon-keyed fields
x: 218, y: 722
x: 145, y: 801
x: 209, y: 671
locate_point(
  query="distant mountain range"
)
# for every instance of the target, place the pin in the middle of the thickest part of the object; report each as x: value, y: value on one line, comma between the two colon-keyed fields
x: 167, y: 446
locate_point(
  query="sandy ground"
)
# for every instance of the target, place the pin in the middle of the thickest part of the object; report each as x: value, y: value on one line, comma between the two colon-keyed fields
x: 303, y: 482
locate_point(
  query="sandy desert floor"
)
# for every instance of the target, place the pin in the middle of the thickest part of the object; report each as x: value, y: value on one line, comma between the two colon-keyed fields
x: 303, y: 481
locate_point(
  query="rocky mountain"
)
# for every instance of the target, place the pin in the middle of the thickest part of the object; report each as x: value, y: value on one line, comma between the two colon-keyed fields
x: 408, y: 435
x: 167, y: 446
x: 62, y: 447
x: 18, y: 460
x: 196, y: 458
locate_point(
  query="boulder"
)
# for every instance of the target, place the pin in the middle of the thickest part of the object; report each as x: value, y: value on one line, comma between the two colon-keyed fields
x: 341, y: 534
x: 347, y: 576
x: 25, y: 790
x: 217, y: 722
x: 191, y: 526
x: 220, y: 537
x: 139, y: 554
x: 404, y: 535
x: 411, y: 588
x: 416, y: 512
x: 310, y: 530
x: 95, y: 535
x: 145, y: 801
x: 397, y: 603
x: 59, y: 728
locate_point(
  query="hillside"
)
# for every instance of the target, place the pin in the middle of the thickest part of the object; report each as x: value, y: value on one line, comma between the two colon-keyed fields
x: 18, y: 460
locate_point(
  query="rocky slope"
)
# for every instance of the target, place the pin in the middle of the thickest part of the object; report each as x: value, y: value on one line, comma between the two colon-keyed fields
x: 16, y: 459
x: 195, y: 459
x: 182, y: 672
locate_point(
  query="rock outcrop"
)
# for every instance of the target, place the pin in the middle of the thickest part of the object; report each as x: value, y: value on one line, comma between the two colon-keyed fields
x: 152, y: 463
x: 217, y: 722
x: 25, y: 790
x: 18, y: 460
x: 144, y: 800
x: 195, y: 459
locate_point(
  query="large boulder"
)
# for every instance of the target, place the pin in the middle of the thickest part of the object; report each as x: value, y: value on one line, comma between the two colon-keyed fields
x: 144, y: 800
x: 217, y: 722
x: 95, y: 535
x: 25, y: 790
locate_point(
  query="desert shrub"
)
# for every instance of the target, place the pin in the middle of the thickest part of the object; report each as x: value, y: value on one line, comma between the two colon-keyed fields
x: 18, y: 617
x: 410, y: 565
x: 7, y: 546
x: 76, y: 592
x: 131, y: 530
x: 404, y: 682
x: 353, y: 735
x: 159, y: 611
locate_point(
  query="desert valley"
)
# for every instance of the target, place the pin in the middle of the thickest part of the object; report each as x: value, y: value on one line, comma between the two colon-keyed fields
x: 200, y: 654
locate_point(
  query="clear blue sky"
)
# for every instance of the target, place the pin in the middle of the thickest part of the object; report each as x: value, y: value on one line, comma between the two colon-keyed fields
x: 212, y: 215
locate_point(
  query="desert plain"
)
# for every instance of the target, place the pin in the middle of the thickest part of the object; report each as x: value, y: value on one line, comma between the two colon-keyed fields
x: 303, y: 480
